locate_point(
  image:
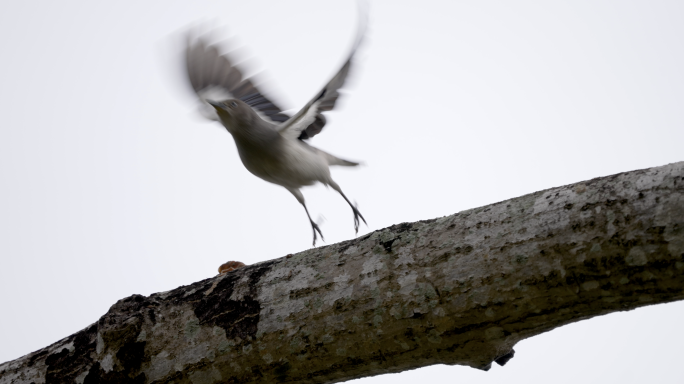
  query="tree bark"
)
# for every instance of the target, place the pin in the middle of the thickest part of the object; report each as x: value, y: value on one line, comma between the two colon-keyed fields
x: 461, y: 289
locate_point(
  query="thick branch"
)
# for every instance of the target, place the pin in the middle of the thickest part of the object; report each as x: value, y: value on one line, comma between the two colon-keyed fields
x: 462, y: 289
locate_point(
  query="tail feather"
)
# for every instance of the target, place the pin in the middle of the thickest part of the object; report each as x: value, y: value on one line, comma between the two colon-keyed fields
x: 334, y: 160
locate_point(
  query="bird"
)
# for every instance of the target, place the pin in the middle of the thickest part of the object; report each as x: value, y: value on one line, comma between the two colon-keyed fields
x: 271, y: 144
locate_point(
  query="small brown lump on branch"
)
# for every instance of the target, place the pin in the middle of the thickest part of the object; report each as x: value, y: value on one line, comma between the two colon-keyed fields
x: 230, y: 266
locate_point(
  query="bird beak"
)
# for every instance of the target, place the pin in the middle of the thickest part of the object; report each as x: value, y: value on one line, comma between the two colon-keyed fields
x: 215, y: 104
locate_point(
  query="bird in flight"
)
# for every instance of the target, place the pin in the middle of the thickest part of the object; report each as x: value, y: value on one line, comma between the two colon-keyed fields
x: 272, y: 145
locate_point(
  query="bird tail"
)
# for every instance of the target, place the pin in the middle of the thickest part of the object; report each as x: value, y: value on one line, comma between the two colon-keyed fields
x: 337, y: 161
x: 334, y: 160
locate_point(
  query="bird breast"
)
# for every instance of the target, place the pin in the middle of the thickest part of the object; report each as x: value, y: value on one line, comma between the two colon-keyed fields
x: 284, y: 162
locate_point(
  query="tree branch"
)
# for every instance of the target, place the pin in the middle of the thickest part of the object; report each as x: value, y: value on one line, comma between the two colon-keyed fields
x: 462, y: 289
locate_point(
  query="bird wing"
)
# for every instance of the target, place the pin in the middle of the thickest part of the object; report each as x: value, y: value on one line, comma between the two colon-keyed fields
x: 309, y: 121
x: 214, y: 77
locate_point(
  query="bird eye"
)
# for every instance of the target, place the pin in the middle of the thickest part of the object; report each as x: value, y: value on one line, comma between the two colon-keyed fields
x: 233, y: 104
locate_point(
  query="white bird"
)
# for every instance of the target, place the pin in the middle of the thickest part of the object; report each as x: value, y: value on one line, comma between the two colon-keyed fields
x: 270, y: 143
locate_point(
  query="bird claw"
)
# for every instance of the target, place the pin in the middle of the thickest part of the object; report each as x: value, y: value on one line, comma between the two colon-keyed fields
x: 315, y: 229
x: 357, y: 215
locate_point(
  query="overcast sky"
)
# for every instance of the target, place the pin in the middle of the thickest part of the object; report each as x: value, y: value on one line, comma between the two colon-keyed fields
x: 112, y: 186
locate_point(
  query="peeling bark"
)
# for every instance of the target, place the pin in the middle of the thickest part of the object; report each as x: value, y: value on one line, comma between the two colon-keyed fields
x: 461, y: 289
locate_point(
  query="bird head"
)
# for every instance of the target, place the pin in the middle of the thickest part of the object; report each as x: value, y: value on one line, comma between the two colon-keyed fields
x: 240, y: 119
x: 231, y: 110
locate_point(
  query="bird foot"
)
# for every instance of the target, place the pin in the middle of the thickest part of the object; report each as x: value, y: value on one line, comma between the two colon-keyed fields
x: 315, y: 229
x: 357, y: 216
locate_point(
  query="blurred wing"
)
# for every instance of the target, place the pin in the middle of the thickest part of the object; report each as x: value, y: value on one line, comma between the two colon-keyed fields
x: 309, y: 121
x: 214, y: 77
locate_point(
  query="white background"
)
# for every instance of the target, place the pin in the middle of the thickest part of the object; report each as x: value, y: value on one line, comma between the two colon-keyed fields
x: 111, y: 186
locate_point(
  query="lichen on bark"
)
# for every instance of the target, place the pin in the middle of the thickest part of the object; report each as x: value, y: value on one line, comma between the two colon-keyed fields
x: 461, y: 289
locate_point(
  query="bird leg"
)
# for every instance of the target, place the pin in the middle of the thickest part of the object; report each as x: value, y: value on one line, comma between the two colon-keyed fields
x: 357, y: 214
x: 298, y: 195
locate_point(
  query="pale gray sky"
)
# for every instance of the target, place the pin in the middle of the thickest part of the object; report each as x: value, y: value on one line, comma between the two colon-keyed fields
x: 110, y: 185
